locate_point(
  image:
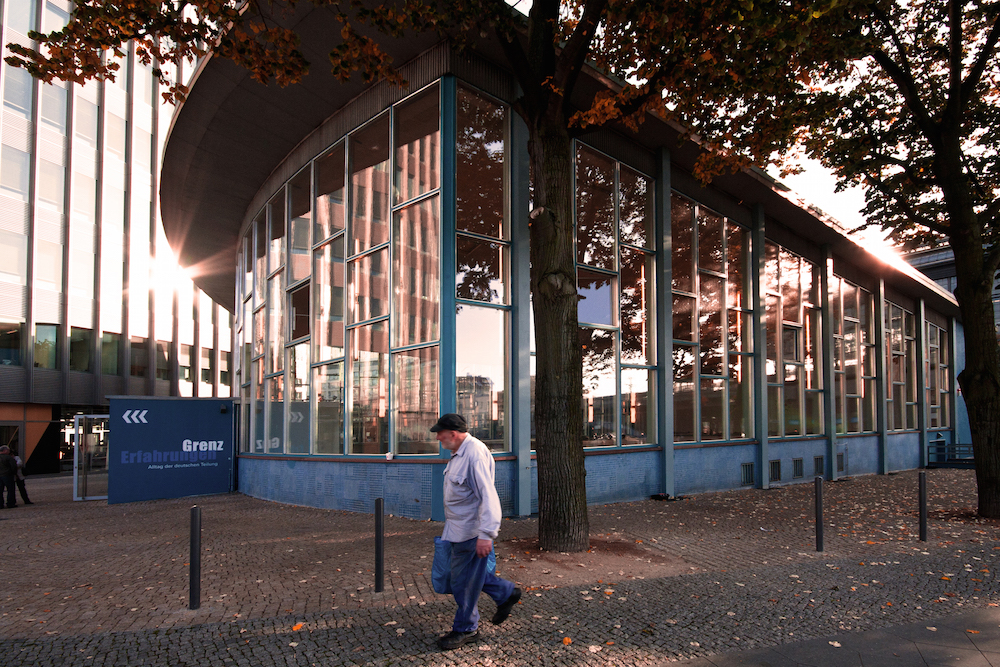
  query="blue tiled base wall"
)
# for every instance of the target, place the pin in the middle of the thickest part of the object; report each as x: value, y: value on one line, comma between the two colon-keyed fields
x: 710, y: 468
x: 618, y: 478
x: 406, y: 489
x: 904, y: 451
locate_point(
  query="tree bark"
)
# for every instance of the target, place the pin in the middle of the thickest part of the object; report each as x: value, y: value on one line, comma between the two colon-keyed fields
x: 563, y: 524
x: 980, y: 380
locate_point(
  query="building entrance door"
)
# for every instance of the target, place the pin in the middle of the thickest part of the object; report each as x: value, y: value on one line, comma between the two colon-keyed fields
x: 90, y: 470
x: 10, y: 435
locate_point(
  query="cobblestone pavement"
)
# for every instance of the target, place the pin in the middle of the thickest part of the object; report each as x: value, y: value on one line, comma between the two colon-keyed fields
x: 95, y: 584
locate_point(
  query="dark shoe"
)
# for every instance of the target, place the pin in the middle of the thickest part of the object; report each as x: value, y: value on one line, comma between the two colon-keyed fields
x: 454, y: 639
x: 28, y: 502
x: 503, y: 611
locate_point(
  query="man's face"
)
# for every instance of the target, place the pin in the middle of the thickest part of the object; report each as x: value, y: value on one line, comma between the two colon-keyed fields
x: 450, y: 440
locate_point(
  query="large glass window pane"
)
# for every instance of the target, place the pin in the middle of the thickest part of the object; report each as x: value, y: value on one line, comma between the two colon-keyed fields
x: 635, y: 208
x: 54, y: 107
x: 260, y: 259
x: 793, y: 401
x: 299, y: 413
x: 481, y: 373
x: 481, y: 273
x: 417, y: 142
x: 328, y: 388
x: 79, y: 349
x: 599, y: 391
x: 479, y: 177
x: 636, y: 303
x: 710, y: 248
x: 713, y: 401
x: 736, y: 264
x: 276, y: 414
x: 10, y: 343
x: 329, y: 193
x: 682, y: 243
x: 814, y: 413
x: 328, y: 301
x: 46, y: 345
x: 790, y: 298
x: 771, y: 328
x: 259, y: 406
x: 416, y: 262
x: 22, y: 15
x: 13, y: 258
x: 638, y: 401
x: 369, y: 158
x: 299, y: 225
x: 712, y: 325
x: 276, y: 237
x: 87, y: 119
x: 110, y: 350
x: 368, y: 286
x: 740, y: 408
x: 595, y: 209
x: 259, y: 331
x: 17, y: 91
x: 683, y: 318
x: 684, y: 393
x: 415, y: 397
x: 276, y: 323
x: 596, y: 297
x: 298, y: 313
x: 51, y: 185
x: 370, y: 389
x: 115, y: 135
x: 15, y: 167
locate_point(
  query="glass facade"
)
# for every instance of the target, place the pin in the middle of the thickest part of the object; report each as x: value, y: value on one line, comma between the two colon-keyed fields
x: 348, y: 331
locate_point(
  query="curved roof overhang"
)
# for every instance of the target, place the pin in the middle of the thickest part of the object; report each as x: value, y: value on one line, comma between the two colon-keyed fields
x: 233, y: 135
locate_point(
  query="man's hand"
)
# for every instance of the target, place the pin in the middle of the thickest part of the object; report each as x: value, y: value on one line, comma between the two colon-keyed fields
x: 484, y: 547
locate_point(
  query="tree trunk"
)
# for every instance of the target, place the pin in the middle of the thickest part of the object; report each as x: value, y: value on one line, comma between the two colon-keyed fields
x: 563, y: 524
x: 980, y: 380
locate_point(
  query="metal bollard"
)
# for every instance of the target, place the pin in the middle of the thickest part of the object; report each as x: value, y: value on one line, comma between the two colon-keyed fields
x: 819, y: 514
x: 923, y: 505
x: 194, y: 589
x: 379, y: 545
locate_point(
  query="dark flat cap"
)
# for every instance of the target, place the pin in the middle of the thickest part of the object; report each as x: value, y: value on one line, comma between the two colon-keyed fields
x: 450, y: 422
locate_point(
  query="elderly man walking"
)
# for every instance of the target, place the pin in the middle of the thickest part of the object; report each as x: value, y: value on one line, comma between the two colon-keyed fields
x: 472, y: 521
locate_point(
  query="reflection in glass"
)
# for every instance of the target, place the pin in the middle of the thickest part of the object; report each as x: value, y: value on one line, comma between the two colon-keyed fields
x: 713, y: 401
x: 636, y: 307
x: 162, y: 360
x: 599, y: 391
x: 328, y: 301
x: 276, y: 326
x: 46, y: 345
x: 481, y: 372
x: 110, y: 351
x: 736, y: 264
x: 328, y: 388
x: 595, y: 209
x: 298, y: 313
x: 596, y: 297
x: 739, y: 331
x: 771, y: 326
x: 682, y: 243
x: 740, y: 409
x: 299, y: 413
x: 684, y: 393
x: 259, y: 406
x: 369, y: 169
x: 369, y: 389
x: 793, y: 407
x: 139, y: 357
x: 259, y: 331
x: 415, y: 400
x: 260, y: 259
x: 417, y: 139
x: 10, y: 343
x: 790, y: 296
x: 276, y: 239
x: 635, y: 208
x: 329, y: 193
x: 79, y: 349
x: 276, y: 414
x: 481, y: 272
x: 368, y: 286
x: 710, y: 325
x: 300, y: 225
x: 710, y: 247
x: 683, y: 316
x: 417, y: 283
x: 638, y: 398
x: 479, y: 177
x: 814, y: 412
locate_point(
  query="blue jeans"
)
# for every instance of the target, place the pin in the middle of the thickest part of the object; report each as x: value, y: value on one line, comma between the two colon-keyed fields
x: 469, y: 578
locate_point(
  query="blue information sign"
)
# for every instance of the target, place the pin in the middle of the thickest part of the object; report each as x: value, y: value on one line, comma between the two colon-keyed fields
x: 169, y: 448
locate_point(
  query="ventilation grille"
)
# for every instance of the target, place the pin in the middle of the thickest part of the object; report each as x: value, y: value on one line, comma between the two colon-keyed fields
x: 746, y: 474
x: 775, y: 468
x: 798, y: 469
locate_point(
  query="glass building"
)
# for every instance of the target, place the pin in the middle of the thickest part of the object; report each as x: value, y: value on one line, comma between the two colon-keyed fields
x: 92, y: 301
x: 378, y: 240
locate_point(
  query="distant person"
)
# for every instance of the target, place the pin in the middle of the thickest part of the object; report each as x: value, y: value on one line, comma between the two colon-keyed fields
x: 8, y: 472
x: 472, y: 521
x: 19, y: 480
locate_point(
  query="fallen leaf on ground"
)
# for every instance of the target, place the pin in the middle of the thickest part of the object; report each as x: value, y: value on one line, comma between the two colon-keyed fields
x: 567, y: 641
x: 297, y: 626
